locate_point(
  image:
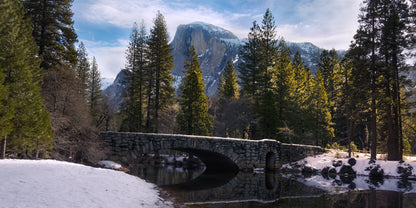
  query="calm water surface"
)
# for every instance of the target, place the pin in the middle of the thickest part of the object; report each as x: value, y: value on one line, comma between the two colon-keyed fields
x: 198, y: 188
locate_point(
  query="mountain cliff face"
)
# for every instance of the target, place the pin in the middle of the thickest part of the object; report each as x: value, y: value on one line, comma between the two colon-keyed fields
x: 214, y: 46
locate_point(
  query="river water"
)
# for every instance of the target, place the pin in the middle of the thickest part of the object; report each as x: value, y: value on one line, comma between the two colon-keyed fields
x: 198, y: 188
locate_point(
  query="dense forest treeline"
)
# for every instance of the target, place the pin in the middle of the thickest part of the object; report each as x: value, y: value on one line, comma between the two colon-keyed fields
x: 50, y: 94
x: 51, y: 103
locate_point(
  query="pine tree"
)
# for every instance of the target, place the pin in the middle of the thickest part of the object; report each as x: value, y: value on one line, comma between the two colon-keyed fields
x: 269, y: 122
x: 268, y: 51
x: 329, y: 67
x: 95, y: 97
x: 29, y: 132
x: 83, y: 69
x: 193, y: 117
x: 365, y: 45
x: 160, y: 90
x: 136, y: 70
x: 6, y: 114
x: 393, y: 42
x: 229, y: 111
x: 298, y: 119
x: 228, y: 86
x: 378, y: 49
x: 76, y: 137
x: 249, y: 67
x: 52, y: 28
x: 319, y: 106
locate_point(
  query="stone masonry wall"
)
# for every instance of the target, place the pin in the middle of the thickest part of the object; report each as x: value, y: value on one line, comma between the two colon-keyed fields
x: 213, y: 151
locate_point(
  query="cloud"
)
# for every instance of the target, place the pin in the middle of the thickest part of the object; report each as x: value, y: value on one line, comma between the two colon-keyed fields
x: 124, y: 14
x: 110, y: 56
x: 326, y: 23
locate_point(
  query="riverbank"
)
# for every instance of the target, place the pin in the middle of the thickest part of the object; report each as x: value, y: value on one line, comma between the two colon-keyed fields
x: 333, y: 171
x: 50, y: 183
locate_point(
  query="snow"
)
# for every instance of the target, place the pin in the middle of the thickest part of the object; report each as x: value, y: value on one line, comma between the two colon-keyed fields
x: 321, y: 161
x: 109, y: 164
x: 50, y: 183
x: 236, y: 42
x: 210, y: 27
x: 392, y: 180
x: 177, y: 81
x: 106, y: 82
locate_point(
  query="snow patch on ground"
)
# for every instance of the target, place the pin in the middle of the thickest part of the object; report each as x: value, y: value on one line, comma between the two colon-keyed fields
x: 321, y: 161
x: 50, y: 183
x: 109, y: 164
x: 391, y: 182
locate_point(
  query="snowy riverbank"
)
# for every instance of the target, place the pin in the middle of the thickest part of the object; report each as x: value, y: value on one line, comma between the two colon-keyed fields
x: 334, y: 172
x: 50, y: 183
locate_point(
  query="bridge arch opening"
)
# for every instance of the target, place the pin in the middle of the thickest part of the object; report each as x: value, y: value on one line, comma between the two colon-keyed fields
x: 270, y: 161
x: 214, y: 162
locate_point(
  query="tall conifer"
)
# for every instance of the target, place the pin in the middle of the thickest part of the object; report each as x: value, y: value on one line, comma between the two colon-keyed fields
x: 160, y: 90
x: 83, y: 69
x: 193, y: 117
x: 30, y: 132
x: 95, y: 97
x: 228, y: 86
x: 249, y: 67
x: 135, y: 96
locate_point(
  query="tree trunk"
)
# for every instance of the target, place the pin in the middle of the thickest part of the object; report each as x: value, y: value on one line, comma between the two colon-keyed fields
x: 3, y: 148
x: 373, y: 121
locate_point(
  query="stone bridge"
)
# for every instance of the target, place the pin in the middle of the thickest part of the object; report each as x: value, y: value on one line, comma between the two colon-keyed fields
x: 217, y: 153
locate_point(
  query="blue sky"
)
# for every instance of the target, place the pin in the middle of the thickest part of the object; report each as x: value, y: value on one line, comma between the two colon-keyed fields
x: 104, y: 25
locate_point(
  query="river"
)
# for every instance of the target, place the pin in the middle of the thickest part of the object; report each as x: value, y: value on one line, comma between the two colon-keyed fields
x: 198, y: 188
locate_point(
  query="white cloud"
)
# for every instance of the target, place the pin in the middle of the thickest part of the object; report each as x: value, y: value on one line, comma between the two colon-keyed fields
x: 326, y: 23
x: 110, y: 57
x: 129, y: 11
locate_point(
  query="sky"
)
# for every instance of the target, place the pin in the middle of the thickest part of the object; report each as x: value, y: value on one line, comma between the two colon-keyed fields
x: 104, y: 26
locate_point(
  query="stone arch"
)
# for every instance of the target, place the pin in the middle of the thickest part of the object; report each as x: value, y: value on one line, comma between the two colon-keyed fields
x: 270, y: 161
x: 214, y: 162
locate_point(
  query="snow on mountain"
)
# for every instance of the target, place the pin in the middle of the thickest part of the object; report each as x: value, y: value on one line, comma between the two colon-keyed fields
x: 105, y: 82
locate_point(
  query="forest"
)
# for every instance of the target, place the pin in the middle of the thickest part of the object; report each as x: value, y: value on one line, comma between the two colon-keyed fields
x: 52, y: 105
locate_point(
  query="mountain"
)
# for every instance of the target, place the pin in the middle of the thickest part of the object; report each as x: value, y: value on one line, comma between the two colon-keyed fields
x: 106, y: 82
x: 114, y: 91
x: 214, y: 47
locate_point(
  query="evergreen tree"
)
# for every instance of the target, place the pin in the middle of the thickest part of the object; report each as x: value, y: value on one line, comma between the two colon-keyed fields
x: 299, y: 118
x: 269, y: 122
x: 378, y: 49
x: 230, y: 113
x: 319, y: 106
x: 193, y: 117
x: 393, y: 42
x: 83, y: 69
x: 283, y: 80
x: 268, y: 51
x: 160, y: 90
x: 330, y: 71
x: 26, y: 126
x: 363, y: 54
x: 136, y: 70
x: 52, y: 28
x: 95, y: 97
x: 6, y: 113
x: 249, y: 67
x: 76, y: 137
x: 228, y: 86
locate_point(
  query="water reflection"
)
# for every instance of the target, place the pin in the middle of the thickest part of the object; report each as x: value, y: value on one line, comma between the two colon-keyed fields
x: 198, y: 188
